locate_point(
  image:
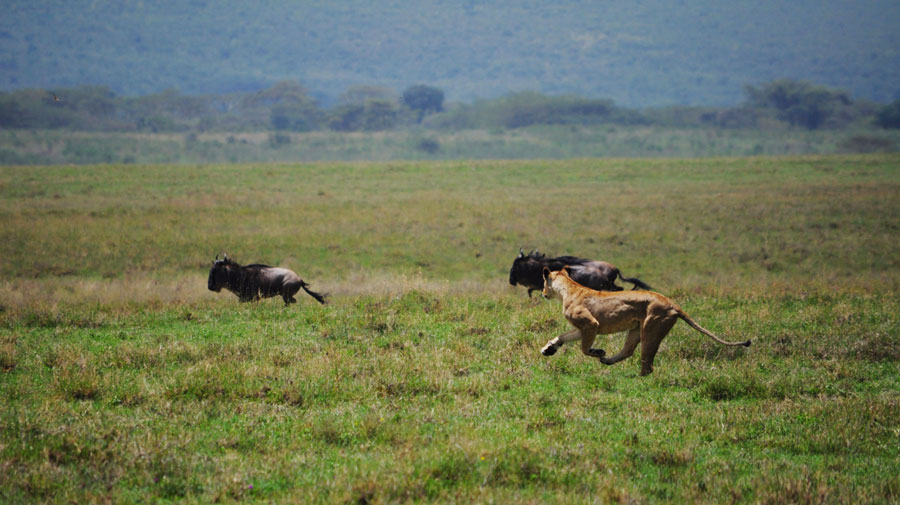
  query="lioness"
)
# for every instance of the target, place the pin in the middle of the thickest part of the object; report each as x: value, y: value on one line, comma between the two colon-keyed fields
x: 647, y: 316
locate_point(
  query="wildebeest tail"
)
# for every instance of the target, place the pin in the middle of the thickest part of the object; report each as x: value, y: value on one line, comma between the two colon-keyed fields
x: 320, y: 298
x: 638, y: 284
x: 708, y: 333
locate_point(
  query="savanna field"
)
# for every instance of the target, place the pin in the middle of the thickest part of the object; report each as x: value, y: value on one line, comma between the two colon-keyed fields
x: 124, y: 380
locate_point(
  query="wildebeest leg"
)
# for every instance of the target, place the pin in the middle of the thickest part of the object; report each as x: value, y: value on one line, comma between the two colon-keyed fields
x: 553, y: 345
x: 631, y: 342
x: 288, y: 291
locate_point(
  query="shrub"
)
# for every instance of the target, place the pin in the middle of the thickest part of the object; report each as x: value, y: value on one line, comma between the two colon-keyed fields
x: 279, y: 139
x: 889, y: 117
x: 428, y: 145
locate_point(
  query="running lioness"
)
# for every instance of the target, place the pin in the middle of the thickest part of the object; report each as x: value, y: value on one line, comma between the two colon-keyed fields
x: 647, y: 316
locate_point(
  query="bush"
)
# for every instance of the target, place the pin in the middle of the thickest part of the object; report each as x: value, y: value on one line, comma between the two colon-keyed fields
x: 799, y: 103
x: 868, y: 144
x: 428, y: 145
x: 279, y: 139
x: 525, y: 109
x: 424, y: 99
x: 373, y: 115
x: 889, y: 116
x: 298, y: 118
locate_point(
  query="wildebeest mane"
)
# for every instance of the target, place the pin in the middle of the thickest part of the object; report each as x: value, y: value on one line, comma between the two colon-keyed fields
x: 241, y: 280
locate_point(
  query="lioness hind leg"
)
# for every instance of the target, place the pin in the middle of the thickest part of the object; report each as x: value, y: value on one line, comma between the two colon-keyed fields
x: 631, y: 342
x: 655, y: 330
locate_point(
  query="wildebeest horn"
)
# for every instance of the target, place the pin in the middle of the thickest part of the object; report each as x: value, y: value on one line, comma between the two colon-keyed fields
x: 521, y: 253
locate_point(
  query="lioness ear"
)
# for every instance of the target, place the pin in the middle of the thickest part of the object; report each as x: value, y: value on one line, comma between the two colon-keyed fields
x: 546, y: 272
x: 565, y: 269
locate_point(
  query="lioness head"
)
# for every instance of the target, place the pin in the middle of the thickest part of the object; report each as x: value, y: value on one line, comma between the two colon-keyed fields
x: 549, y: 276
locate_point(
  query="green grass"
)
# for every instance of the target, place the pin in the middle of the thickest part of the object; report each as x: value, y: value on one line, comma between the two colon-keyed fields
x: 122, y: 379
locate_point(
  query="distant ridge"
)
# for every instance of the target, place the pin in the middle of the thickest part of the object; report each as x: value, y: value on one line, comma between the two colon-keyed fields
x: 647, y: 53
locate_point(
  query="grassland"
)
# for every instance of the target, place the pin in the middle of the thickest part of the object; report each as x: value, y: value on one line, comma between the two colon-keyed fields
x: 25, y: 147
x: 123, y: 380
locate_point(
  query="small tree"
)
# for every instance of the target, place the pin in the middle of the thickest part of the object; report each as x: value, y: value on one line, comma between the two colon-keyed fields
x: 428, y: 145
x: 381, y: 115
x: 347, y: 118
x: 424, y: 99
x: 889, y: 117
x: 373, y: 115
x: 295, y: 117
x: 800, y: 103
x: 359, y: 95
x: 281, y: 93
x: 12, y: 114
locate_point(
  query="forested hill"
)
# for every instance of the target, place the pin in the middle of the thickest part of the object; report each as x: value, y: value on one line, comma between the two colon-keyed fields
x: 636, y: 52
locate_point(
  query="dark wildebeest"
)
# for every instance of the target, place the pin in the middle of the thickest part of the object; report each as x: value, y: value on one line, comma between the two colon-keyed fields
x: 527, y: 270
x: 252, y: 282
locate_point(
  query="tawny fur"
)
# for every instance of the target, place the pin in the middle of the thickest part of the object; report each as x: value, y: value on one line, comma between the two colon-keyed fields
x: 646, y: 316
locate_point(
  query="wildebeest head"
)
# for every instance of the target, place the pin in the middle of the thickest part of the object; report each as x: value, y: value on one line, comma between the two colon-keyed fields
x: 218, y: 274
x: 526, y: 270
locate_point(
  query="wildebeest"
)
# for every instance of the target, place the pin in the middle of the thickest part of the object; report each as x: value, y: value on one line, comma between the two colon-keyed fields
x: 253, y: 282
x: 527, y: 271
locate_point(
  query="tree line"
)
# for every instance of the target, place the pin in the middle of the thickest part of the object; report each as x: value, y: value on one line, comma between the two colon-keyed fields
x: 288, y: 107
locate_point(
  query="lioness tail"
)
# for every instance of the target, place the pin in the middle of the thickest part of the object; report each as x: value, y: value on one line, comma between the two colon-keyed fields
x: 708, y: 333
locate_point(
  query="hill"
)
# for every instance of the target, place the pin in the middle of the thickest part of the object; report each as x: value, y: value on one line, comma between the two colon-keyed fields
x: 647, y: 53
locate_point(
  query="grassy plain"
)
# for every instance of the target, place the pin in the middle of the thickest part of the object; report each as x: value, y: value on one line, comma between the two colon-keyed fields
x: 23, y: 147
x: 123, y: 380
